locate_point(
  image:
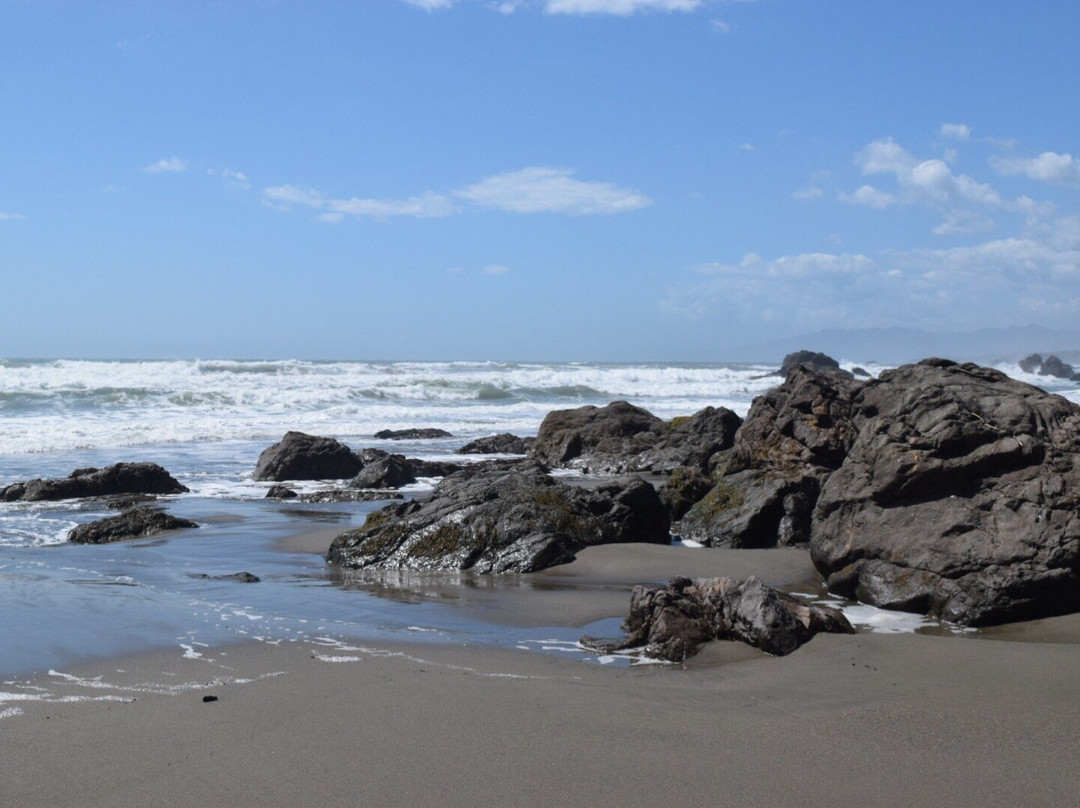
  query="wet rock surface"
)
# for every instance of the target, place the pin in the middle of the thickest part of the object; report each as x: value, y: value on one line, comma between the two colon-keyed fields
x: 959, y: 497
x: 412, y: 434
x: 813, y: 361
x: 299, y: 456
x: 137, y: 523
x: 503, y: 517
x: 121, y: 478
x: 504, y: 443
x: 672, y: 622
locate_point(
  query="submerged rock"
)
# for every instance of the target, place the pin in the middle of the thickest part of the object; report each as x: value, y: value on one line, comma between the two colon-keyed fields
x: 122, y: 478
x: 134, y: 524
x: 959, y: 497
x: 299, y: 456
x: 504, y: 443
x: 503, y: 517
x: 412, y: 434
x: 236, y: 577
x: 672, y: 622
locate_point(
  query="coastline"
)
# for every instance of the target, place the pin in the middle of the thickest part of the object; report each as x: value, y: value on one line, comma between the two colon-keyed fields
x: 867, y: 719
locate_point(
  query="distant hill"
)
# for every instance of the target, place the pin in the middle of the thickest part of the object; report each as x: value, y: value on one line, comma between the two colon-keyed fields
x: 898, y: 345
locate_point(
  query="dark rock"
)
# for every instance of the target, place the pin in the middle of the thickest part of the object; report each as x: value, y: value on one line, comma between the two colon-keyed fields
x: 306, y: 457
x: 209, y: 699
x: 122, y: 478
x: 684, y: 487
x: 347, y: 495
x: 1053, y: 366
x: 432, y: 468
x: 134, y: 524
x: 794, y: 436
x: 503, y: 517
x: 959, y: 497
x: 370, y: 455
x: 752, y: 509
x: 237, y: 577
x: 689, y: 441
x: 392, y: 471
x: 1031, y: 363
x: 124, y: 501
x: 280, y: 492
x: 860, y: 373
x: 811, y: 360
x: 412, y: 434
x: 597, y: 439
x: 498, y: 444
x: 674, y: 621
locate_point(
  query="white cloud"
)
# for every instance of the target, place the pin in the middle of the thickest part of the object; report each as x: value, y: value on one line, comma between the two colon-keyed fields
x: 237, y: 179
x: 621, y: 8
x: 424, y: 206
x: 10, y: 217
x: 507, y: 6
x: 551, y: 190
x: 496, y: 269
x: 166, y: 165
x: 1058, y: 169
x: 806, y: 194
x: 869, y: 196
x: 956, y: 131
x: 430, y: 5
x: 720, y: 26
x: 747, y: 147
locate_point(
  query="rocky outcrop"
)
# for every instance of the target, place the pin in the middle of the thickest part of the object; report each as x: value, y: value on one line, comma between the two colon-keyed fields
x: 503, y: 517
x: 685, y: 486
x: 960, y: 496
x: 793, y: 437
x: 1051, y: 366
x: 134, y: 524
x: 298, y: 456
x: 348, y: 495
x: 412, y: 434
x: 813, y: 361
x: 392, y: 471
x: 672, y: 622
x: 621, y: 437
x: 122, y: 478
x: 504, y: 443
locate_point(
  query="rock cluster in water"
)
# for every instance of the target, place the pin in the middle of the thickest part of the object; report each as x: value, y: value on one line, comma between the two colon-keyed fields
x: 1050, y: 366
x: 121, y: 478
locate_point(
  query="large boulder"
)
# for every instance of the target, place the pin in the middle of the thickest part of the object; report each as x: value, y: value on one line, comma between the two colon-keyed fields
x: 621, y: 437
x: 811, y: 360
x: 672, y: 622
x: 121, y: 478
x: 503, y: 517
x: 136, y: 523
x: 298, y: 456
x: 503, y: 443
x: 392, y: 471
x: 793, y: 437
x: 960, y: 497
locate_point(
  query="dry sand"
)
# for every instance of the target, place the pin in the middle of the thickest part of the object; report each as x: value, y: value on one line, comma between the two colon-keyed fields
x: 846, y: 720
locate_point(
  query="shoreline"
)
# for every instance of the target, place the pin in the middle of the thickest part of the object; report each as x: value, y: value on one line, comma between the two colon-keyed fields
x: 867, y: 719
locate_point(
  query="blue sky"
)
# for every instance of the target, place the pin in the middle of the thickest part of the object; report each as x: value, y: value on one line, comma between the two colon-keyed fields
x: 545, y: 179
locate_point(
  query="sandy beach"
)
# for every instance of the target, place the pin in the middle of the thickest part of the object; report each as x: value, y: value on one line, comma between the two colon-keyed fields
x: 870, y: 719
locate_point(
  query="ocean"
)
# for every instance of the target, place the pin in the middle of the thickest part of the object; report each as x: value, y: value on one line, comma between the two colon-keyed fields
x: 206, y: 422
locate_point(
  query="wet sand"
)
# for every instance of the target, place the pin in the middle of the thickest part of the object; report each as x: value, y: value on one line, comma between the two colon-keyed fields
x: 861, y: 720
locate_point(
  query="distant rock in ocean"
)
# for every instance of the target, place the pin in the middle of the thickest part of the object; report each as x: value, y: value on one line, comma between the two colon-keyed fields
x: 121, y: 478
x: 137, y: 523
x: 412, y: 434
x: 504, y: 443
x: 299, y: 456
x: 811, y: 360
x: 1051, y: 366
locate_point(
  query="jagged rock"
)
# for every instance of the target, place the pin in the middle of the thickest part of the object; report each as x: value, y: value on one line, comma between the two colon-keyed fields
x: 432, y: 468
x: 392, y: 471
x: 298, y: 456
x: 621, y: 437
x: 793, y: 437
x: 370, y: 455
x: 599, y: 439
x: 412, y: 434
x: 503, y: 517
x: 959, y: 497
x: 811, y: 360
x: 674, y: 621
x: 134, y: 524
x: 122, y: 478
x: 280, y: 492
x: 689, y: 441
x: 684, y: 487
x: 504, y: 443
